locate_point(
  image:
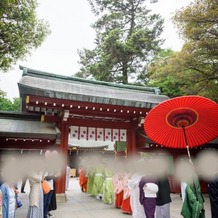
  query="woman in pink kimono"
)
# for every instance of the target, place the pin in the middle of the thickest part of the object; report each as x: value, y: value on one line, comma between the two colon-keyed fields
x: 125, y: 206
x: 118, y: 188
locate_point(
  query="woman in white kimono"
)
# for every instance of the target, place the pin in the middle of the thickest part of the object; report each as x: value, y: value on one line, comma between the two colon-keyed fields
x: 137, y: 208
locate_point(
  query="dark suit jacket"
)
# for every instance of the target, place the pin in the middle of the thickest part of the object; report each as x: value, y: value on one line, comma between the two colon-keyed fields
x: 163, y: 194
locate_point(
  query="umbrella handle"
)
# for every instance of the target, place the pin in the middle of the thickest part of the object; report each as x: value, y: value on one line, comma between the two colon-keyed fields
x: 189, y: 156
x: 186, y: 141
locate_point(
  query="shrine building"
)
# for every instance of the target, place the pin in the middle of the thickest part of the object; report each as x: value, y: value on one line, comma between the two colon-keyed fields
x: 56, y: 106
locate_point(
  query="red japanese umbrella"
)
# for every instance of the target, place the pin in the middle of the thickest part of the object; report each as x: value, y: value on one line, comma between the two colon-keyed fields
x: 183, y: 122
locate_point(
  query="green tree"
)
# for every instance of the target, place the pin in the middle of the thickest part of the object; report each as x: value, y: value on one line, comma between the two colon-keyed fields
x: 193, y: 70
x: 8, y: 105
x: 165, y: 71
x: 21, y: 31
x: 127, y: 37
x: 197, y: 24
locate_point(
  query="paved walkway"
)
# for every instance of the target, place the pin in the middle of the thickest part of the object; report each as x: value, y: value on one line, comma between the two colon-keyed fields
x: 81, y: 205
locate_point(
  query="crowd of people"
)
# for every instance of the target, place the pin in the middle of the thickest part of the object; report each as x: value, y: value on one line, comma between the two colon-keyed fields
x: 142, y: 191
x: 41, y: 174
x: 139, y: 187
x: 137, y: 192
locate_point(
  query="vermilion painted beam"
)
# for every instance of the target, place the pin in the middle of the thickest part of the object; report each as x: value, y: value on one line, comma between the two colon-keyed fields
x: 99, y: 123
x: 70, y: 104
x: 94, y: 113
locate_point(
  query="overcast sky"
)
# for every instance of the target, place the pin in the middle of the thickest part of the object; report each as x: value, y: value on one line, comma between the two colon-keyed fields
x: 70, y: 22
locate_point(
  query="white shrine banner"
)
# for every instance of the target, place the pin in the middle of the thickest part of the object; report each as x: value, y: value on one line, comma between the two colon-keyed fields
x: 98, y: 134
x: 122, y: 135
x: 107, y: 135
x: 75, y: 132
x: 91, y: 133
x: 115, y: 135
x: 83, y: 133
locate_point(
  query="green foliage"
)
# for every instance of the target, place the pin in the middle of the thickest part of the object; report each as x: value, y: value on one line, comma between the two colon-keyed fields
x: 194, y: 70
x: 166, y: 72
x: 127, y: 37
x: 21, y: 31
x: 8, y: 105
x: 198, y: 25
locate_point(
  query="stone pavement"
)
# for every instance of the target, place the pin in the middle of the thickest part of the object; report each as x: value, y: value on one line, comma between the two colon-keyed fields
x: 81, y: 205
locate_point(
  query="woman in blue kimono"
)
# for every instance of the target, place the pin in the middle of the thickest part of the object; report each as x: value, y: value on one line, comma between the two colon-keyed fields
x: 8, y: 200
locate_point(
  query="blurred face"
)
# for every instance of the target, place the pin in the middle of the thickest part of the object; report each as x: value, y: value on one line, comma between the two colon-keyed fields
x: 184, y: 171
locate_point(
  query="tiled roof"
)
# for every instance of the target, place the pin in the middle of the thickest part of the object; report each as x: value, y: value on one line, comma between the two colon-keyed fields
x: 46, y: 84
x: 14, y: 125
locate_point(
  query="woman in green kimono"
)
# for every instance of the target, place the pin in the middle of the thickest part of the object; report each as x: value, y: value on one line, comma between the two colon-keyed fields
x: 193, y: 205
x: 108, y: 189
x: 90, y: 175
x: 97, y: 189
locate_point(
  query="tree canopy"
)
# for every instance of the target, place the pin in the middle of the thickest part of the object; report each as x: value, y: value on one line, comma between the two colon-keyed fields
x: 127, y: 37
x: 163, y: 72
x: 193, y: 70
x: 21, y: 31
x: 8, y: 105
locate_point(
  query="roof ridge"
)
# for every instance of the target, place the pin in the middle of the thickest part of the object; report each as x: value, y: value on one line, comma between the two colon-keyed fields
x: 43, y: 74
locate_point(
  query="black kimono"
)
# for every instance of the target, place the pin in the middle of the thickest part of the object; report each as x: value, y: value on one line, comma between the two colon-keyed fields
x: 213, y: 194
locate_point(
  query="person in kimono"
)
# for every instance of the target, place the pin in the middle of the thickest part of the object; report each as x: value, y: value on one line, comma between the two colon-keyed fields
x: 90, y: 174
x: 137, y: 172
x: 193, y: 205
x: 193, y: 201
x: 97, y: 189
x: 118, y: 188
x: 36, y: 196
x: 125, y: 206
x: 148, y: 193
x: 83, y: 179
x: 108, y: 189
x: 137, y: 208
x: 8, y: 200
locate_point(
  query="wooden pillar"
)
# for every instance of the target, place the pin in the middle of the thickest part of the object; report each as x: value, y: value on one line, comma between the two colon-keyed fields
x: 63, y: 147
x: 131, y: 142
